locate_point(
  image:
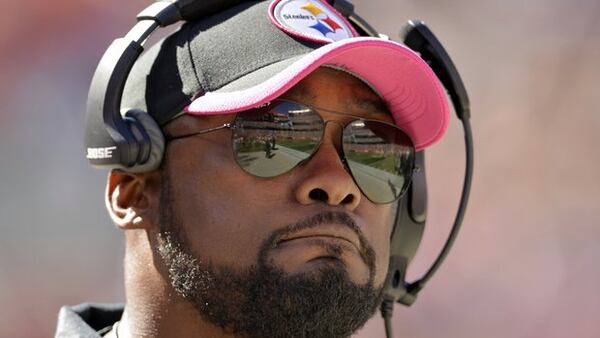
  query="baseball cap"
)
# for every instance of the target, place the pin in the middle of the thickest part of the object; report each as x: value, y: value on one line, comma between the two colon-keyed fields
x: 252, y: 53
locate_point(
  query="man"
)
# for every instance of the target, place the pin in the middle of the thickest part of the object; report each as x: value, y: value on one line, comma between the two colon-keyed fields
x: 234, y: 237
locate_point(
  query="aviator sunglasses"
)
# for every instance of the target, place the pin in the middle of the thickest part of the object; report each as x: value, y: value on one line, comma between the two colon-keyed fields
x: 275, y: 138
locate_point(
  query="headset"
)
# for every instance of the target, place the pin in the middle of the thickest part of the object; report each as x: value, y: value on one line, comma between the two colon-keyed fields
x: 131, y: 140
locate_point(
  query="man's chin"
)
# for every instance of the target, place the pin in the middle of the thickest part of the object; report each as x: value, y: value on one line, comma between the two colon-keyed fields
x: 323, y: 302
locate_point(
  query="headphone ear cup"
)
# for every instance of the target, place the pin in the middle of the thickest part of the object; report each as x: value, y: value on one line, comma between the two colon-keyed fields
x: 157, y: 141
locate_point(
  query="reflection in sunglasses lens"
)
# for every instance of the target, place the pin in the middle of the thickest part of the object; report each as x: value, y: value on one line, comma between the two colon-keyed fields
x: 380, y: 157
x: 272, y: 142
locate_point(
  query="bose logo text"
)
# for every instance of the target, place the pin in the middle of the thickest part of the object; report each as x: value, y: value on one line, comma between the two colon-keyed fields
x: 100, y: 153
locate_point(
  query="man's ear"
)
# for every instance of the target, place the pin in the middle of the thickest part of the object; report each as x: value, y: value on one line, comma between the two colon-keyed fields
x: 130, y: 197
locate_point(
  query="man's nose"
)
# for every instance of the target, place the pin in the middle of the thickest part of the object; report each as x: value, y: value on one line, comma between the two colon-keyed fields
x: 325, y: 178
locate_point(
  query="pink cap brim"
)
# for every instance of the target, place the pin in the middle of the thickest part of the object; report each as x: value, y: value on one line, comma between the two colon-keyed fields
x: 413, y: 93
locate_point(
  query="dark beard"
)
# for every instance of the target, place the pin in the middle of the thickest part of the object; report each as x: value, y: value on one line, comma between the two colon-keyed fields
x: 262, y: 301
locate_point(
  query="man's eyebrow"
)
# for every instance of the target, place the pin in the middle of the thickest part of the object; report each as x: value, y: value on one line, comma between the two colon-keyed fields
x: 300, y: 92
x: 373, y: 106
x: 376, y: 106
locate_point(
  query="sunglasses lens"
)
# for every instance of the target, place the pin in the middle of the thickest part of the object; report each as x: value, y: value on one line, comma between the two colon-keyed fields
x: 273, y: 140
x: 380, y: 157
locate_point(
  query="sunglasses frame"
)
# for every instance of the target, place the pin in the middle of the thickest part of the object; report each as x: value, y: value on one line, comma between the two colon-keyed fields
x: 232, y: 126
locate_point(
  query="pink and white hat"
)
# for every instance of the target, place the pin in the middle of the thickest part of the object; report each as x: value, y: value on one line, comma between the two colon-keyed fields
x: 253, y: 53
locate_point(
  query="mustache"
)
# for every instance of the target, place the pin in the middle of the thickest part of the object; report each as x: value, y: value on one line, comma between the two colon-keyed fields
x: 366, y: 251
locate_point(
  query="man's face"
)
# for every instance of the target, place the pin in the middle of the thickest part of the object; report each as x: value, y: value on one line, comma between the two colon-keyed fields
x: 231, y: 238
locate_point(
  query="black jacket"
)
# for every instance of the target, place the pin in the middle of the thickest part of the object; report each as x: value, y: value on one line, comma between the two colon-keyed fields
x: 87, y: 320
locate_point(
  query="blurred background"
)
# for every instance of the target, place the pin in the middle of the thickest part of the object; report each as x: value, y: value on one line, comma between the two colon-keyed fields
x: 526, y: 262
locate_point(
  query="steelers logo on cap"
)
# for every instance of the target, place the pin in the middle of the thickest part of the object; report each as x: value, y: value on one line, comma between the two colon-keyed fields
x: 310, y: 20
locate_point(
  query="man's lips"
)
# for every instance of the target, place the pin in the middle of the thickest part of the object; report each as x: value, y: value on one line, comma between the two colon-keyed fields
x: 331, y: 237
x: 326, y: 232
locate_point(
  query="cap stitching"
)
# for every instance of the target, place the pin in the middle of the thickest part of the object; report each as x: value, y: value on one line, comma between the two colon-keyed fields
x: 192, y: 61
